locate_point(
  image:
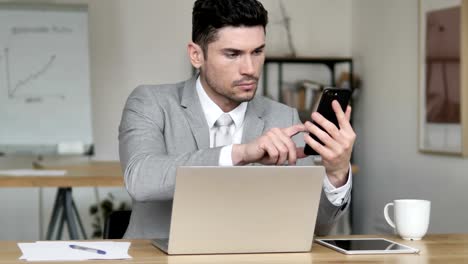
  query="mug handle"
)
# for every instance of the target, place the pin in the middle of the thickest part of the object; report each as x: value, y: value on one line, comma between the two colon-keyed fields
x: 387, y: 217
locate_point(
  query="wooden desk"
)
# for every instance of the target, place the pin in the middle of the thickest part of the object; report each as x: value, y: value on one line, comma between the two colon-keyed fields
x: 97, y: 174
x: 92, y: 174
x: 434, y: 249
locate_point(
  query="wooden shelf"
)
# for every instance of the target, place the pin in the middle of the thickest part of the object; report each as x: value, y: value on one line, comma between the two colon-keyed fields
x: 318, y: 60
x: 329, y: 62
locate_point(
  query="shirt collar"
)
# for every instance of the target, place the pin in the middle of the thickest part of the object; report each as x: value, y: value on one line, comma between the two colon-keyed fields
x: 213, y: 112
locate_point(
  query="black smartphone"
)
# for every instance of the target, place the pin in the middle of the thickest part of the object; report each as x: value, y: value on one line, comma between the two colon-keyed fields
x: 325, y: 109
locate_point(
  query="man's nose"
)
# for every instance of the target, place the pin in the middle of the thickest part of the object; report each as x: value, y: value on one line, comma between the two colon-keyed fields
x: 247, y: 66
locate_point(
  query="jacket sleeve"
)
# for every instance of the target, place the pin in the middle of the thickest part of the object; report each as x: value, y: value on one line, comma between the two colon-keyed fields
x: 328, y: 214
x: 149, y: 170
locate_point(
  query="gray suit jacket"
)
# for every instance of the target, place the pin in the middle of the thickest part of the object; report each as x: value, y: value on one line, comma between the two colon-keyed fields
x: 164, y: 127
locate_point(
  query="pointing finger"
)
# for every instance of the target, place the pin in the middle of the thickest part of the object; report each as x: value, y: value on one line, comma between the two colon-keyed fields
x: 293, y: 130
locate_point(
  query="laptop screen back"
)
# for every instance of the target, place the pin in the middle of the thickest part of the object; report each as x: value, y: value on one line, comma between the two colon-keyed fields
x: 245, y: 209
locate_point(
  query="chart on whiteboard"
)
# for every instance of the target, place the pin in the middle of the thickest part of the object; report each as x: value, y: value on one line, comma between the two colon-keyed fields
x: 38, y: 62
x: 44, y: 74
x: 14, y: 88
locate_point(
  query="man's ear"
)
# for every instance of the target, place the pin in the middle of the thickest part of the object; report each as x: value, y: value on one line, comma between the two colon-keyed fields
x: 195, y: 54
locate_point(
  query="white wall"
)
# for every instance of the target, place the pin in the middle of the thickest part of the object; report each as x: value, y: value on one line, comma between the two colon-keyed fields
x: 132, y: 43
x: 385, y: 37
x: 318, y: 27
x: 144, y: 41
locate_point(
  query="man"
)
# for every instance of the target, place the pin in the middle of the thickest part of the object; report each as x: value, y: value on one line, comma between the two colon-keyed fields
x: 167, y: 126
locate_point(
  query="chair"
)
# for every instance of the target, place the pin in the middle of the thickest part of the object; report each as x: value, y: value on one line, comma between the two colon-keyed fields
x: 116, y: 224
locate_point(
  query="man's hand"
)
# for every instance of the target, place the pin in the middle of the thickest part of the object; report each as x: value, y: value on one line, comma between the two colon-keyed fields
x: 275, y: 147
x: 336, y: 153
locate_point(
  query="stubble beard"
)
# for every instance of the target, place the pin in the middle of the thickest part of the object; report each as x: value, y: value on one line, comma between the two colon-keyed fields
x: 232, y: 96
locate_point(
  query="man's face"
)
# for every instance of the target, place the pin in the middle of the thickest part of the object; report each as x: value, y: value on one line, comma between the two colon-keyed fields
x: 233, y: 64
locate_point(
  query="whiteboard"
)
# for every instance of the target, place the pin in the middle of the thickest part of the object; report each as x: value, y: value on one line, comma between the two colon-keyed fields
x: 44, y: 77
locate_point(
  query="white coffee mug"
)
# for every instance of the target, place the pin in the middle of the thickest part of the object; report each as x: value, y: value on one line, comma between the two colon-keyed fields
x: 411, y: 217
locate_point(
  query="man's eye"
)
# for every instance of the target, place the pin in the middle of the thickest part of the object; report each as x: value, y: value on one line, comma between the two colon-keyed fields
x: 258, y: 52
x: 231, y: 55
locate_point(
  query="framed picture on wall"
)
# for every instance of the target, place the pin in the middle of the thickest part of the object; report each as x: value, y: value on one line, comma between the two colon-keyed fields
x: 442, y: 58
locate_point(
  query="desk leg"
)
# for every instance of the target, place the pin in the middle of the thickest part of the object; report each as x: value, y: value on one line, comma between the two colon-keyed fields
x: 65, y: 210
x: 55, y: 214
x: 68, y: 206
x: 60, y: 227
x: 75, y: 210
x: 41, y: 215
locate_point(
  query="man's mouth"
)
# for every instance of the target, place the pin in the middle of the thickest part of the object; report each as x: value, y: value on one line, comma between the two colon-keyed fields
x: 247, y: 85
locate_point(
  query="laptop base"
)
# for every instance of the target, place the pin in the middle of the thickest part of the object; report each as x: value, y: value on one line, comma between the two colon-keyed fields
x: 162, y: 244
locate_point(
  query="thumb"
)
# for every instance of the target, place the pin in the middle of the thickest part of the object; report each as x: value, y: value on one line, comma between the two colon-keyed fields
x: 300, y: 153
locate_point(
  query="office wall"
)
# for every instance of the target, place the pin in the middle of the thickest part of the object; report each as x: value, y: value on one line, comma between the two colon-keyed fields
x: 133, y: 43
x: 144, y: 41
x: 384, y: 46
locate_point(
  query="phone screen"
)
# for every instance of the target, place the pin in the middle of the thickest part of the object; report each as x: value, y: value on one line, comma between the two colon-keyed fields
x: 326, y: 110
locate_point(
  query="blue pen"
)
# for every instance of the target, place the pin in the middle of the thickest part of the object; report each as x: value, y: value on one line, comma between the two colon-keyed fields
x: 93, y: 250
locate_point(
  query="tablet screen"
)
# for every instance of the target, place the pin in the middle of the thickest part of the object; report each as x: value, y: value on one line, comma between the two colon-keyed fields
x: 371, y: 244
x: 366, y: 246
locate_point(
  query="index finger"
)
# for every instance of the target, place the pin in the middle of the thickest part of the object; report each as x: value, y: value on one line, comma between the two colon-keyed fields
x: 293, y: 130
x: 340, y: 115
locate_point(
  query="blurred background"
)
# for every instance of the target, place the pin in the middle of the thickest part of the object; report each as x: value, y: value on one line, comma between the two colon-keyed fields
x: 112, y: 46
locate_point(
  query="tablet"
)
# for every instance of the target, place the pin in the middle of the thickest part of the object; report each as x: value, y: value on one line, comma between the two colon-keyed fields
x: 366, y: 246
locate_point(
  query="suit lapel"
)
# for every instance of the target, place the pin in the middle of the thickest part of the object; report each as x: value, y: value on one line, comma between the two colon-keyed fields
x: 253, y: 122
x: 194, y: 113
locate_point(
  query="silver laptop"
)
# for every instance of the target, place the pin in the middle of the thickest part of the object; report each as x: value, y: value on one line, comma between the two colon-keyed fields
x: 248, y: 209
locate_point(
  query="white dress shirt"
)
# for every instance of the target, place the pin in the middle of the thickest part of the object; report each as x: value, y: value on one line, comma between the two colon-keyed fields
x: 337, y: 196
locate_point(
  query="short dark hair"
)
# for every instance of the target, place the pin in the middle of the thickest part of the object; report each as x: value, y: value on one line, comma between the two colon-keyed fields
x: 208, y: 16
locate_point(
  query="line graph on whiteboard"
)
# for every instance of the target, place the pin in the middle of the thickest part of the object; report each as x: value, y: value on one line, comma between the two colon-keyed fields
x: 45, y: 84
x: 23, y: 86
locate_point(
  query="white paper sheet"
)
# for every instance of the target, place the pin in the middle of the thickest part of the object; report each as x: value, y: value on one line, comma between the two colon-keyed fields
x: 61, y: 251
